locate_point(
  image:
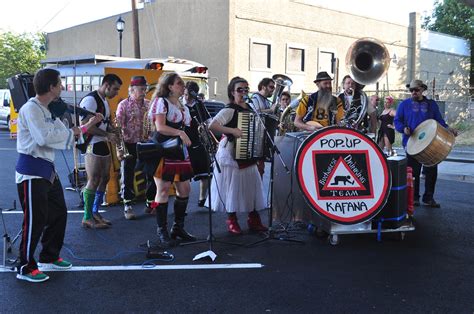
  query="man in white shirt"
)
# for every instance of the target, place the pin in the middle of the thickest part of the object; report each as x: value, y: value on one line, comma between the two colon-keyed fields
x: 39, y: 189
x: 97, y: 160
x: 262, y: 104
x: 260, y: 101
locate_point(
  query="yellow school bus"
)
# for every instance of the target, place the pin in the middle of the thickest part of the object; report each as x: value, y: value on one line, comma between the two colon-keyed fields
x: 83, y: 74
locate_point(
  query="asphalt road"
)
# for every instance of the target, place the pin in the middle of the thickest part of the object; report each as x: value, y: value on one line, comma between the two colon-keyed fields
x: 431, y: 270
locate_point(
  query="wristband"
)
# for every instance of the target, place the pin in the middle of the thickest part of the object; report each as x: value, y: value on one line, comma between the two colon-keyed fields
x: 83, y: 129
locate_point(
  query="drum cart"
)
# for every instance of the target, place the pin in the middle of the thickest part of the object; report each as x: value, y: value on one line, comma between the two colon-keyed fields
x: 288, y: 198
x: 333, y: 230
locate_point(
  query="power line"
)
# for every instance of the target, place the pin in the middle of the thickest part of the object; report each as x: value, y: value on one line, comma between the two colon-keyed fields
x: 54, y: 16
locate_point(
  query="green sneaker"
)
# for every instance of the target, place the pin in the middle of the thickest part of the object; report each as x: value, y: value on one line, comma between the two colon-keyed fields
x: 58, y: 264
x: 35, y: 276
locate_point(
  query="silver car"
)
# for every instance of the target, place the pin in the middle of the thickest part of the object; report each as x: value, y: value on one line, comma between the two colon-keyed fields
x: 5, y: 107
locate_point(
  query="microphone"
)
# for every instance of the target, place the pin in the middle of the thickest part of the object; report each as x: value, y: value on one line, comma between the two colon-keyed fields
x: 249, y: 102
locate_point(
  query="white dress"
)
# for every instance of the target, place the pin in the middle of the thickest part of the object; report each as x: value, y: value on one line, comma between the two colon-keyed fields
x: 234, y: 189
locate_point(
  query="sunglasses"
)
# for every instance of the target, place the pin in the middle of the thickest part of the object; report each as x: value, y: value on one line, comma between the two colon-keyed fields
x: 414, y: 90
x: 243, y: 90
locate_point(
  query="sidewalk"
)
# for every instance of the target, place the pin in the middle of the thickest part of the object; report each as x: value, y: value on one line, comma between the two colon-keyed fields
x: 459, y: 166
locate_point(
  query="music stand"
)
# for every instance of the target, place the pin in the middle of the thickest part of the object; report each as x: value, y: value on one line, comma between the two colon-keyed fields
x: 212, y: 158
x: 270, y: 234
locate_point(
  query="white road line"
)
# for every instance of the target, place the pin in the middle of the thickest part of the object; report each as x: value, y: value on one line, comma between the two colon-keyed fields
x: 152, y: 267
x: 69, y: 211
x: 2, y: 148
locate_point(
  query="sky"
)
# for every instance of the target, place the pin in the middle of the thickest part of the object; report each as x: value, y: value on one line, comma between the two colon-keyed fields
x: 33, y: 16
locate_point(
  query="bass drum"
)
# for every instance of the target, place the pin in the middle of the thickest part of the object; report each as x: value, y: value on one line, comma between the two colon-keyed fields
x: 343, y: 175
x: 431, y: 143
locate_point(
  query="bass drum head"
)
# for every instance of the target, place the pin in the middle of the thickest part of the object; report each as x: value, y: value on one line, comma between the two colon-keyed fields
x: 422, y: 137
x: 343, y: 175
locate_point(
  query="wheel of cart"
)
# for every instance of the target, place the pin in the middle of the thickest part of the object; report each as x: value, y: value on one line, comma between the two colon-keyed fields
x: 334, y: 239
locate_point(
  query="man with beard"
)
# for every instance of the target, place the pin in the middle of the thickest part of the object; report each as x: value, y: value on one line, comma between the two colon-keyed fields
x: 40, y: 192
x: 410, y: 113
x: 353, y: 98
x: 320, y: 109
x: 260, y: 101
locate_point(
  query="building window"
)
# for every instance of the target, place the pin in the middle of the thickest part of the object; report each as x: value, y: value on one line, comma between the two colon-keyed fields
x: 295, y: 59
x: 260, y: 55
x: 327, y: 62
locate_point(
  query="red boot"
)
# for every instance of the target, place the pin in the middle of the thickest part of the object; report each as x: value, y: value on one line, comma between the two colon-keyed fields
x: 233, y: 224
x: 254, y: 222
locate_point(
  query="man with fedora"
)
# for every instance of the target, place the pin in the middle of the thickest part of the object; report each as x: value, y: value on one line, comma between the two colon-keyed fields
x: 410, y: 113
x: 320, y: 109
x: 131, y: 115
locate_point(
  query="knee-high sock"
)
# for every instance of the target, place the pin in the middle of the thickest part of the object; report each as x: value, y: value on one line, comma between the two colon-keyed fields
x: 99, y: 197
x: 89, y: 196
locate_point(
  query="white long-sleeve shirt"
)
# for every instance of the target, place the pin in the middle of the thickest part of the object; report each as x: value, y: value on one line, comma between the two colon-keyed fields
x: 39, y: 135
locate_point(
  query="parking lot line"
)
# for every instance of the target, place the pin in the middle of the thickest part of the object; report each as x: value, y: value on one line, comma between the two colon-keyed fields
x: 153, y: 267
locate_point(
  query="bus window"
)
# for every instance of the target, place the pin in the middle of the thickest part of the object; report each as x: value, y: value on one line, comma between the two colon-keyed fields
x: 86, y: 83
x: 154, y: 66
x: 69, y: 83
x: 95, y: 82
x: 78, y: 83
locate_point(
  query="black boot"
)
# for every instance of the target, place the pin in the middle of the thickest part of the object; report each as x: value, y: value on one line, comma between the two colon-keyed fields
x: 177, y: 231
x: 164, y: 240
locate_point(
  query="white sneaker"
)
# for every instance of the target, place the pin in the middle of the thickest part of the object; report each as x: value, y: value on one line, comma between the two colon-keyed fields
x: 128, y: 212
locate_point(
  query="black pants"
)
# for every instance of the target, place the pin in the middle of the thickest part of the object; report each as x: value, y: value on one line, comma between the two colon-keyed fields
x: 128, y: 175
x: 431, y: 175
x: 45, y: 217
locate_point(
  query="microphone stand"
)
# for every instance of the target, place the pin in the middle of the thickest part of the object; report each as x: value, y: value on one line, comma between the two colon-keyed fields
x: 211, y: 155
x: 7, y: 242
x: 270, y: 234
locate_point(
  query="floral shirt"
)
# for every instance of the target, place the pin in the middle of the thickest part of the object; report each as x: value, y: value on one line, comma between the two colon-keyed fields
x: 131, y: 115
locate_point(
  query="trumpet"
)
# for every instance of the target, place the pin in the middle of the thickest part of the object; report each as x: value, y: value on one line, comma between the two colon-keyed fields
x: 122, y: 152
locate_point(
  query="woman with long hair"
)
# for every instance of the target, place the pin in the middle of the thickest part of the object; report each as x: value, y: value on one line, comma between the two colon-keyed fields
x: 170, y: 118
x: 238, y: 187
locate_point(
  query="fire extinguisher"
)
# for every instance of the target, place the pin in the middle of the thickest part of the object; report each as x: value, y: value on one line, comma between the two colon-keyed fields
x: 410, y: 192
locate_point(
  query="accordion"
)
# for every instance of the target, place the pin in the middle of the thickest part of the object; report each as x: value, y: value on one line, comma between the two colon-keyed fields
x: 251, y: 144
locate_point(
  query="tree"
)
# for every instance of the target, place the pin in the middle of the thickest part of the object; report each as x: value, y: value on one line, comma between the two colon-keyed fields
x: 20, y: 53
x: 456, y: 18
x: 451, y: 17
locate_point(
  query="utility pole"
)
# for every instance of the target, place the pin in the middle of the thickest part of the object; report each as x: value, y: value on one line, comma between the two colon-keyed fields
x: 136, y: 31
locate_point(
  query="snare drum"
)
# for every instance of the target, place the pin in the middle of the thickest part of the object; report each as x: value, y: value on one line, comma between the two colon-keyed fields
x: 431, y: 143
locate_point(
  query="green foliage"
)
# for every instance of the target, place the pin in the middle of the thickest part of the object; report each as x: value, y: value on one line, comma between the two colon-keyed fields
x: 451, y: 17
x: 20, y: 53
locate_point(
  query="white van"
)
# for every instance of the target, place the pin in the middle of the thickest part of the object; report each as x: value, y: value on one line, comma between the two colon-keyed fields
x: 5, y: 107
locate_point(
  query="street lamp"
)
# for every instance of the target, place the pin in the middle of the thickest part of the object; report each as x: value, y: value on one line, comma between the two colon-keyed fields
x: 120, y: 26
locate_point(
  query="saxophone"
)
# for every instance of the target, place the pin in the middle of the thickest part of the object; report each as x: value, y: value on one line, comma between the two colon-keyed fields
x: 148, y: 127
x: 122, y: 152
